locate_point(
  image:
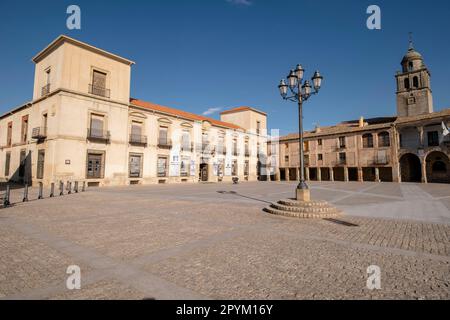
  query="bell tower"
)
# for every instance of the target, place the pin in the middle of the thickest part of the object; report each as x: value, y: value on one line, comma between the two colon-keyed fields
x: 414, y: 94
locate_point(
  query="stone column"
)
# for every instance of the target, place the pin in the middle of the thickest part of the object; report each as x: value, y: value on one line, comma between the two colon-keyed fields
x: 345, y: 174
x: 360, y: 174
x: 424, y: 171
x: 377, y: 174
x: 287, y: 173
x: 319, y: 174
x: 278, y: 175
x: 420, y: 129
x: 298, y: 173
x: 307, y: 174
x: 331, y: 174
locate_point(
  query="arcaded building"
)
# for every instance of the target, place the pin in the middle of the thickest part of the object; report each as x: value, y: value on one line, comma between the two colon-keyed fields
x: 408, y: 147
x: 82, y: 125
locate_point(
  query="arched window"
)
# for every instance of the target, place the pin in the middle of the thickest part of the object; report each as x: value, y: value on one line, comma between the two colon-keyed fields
x: 410, y: 66
x: 415, y: 82
x: 383, y: 139
x: 439, y: 166
x: 367, y: 140
x: 406, y: 83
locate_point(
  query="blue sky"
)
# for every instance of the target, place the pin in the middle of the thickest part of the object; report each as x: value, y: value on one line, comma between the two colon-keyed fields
x: 202, y: 54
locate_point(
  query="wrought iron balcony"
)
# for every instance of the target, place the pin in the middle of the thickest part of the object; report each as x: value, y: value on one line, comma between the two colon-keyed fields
x: 39, y: 133
x: 187, y: 147
x: 99, y: 91
x: 235, y: 151
x: 341, y: 162
x: 98, y: 135
x: 221, y: 150
x: 164, y: 143
x: 45, y: 90
x: 380, y: 161
x: 138, y: 140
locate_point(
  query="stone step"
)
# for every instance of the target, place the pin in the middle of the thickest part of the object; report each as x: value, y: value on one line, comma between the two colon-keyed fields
x: 311, y: 209
x: 294, y: 214
x: 303, y: 204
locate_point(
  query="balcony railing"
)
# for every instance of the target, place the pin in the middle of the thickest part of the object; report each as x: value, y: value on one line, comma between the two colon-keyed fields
x: 380, y: 161
x: 164, y: 144
x: 138, y: 140
x: 98, y: 135
x: 340, y: 147
x: 45, y: 90
x: 187, y: 147
x: 341, y: 162
x: 99, y: 91
x: 39, y: 133
x: 235, y: 152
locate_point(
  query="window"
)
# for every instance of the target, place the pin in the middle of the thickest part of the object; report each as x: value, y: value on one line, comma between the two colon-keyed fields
x: 247, y: 150
x: 24, y: 130
x: 221, y: 145
x: 7, y: 163
x: 415, y: 82
x: 46, y: 87
x: 163, y: 136
x: 135, y: 165
x: 235, y: 150
x: 40, y: 164
x: 367, y: 140
x: 44, y: 120
x: 342, y: 158
x: 234, y: 168
x: 410, y: 66
x: 306, y: 146
x: 205, y: 140
x: 246, y: 167
x: 319, y: 142
x: 341, y: 142
x: 406, y: 83
x: 319, y: 157
x: 383, y: 139
x: 433, y: 138
x: 95, y: 165
x: 9, y: 135
x: 162, y: 166
x: 98, y: 86
x: 97, y: 126
x: 136, y: 136
x: 258, y: 127
x: 185, y: 140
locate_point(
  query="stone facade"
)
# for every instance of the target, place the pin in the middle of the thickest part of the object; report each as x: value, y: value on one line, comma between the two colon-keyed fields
x: 408, y: 147
x: 82, y: 125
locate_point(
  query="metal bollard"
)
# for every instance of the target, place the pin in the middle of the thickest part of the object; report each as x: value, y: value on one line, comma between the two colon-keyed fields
x: 61, y: 188
x: 52, y: 190
x: 25, y: 193
x: 41, y: 186
x: 69, y: 187
x: 76, y: 187
x: 6, y: 202
x: 84, y: 187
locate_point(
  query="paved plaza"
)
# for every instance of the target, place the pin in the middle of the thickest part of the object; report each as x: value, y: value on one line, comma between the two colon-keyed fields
x: 213, y: 241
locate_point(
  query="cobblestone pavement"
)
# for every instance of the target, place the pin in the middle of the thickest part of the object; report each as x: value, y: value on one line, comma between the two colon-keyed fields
x: 213, y: 241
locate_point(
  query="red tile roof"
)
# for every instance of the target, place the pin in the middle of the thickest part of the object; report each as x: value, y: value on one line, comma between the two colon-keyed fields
x: 180, y: 113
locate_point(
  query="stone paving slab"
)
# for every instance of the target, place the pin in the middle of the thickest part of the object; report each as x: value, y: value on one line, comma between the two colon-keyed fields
x: 214, y: 241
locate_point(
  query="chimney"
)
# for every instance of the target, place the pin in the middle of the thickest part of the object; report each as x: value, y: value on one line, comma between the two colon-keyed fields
x: 361, y: 122
x: 317, y: 129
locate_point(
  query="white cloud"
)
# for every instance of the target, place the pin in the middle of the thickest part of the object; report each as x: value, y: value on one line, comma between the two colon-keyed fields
x: 240, y: 2
x: 211, y: 111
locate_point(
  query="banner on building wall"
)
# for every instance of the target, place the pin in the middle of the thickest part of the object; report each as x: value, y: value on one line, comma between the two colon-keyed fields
x: 192, y: 171
x: 215, y: 169
x: 174, y: 166
x: 228, y: 166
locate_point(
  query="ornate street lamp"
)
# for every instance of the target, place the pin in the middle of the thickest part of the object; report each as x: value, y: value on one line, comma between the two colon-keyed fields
x: 301, y: 91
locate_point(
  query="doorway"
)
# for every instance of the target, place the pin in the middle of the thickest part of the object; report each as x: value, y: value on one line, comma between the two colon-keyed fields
x: 204, y: 172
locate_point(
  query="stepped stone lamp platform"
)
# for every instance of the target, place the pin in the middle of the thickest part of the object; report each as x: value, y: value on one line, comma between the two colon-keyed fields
x: 303, y: 208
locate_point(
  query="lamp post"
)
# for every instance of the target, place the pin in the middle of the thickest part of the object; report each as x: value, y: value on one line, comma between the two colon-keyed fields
x: 300, y: 91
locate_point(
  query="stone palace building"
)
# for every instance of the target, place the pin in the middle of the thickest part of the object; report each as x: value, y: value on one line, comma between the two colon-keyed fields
x: 82, y: 125
x: 408, y: 147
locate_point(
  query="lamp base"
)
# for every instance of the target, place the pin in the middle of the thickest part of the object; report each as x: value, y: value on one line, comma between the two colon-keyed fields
x: 303, y: 195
